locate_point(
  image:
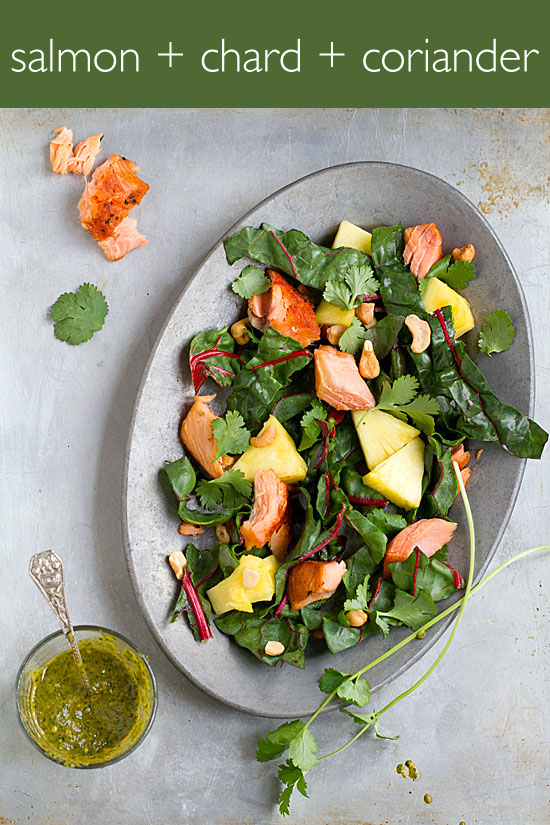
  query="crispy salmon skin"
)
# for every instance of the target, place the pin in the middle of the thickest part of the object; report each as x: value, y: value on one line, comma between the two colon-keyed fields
x: 285, y: 309
x: 109, y: 197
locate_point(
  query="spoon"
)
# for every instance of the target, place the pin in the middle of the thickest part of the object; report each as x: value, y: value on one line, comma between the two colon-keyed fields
x: 46, y: 571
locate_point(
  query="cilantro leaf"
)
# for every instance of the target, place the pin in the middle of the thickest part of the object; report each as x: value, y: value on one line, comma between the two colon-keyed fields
x: 459, y: 274
x: 251, y: 281
x: 231, y: 490
x: 77, y: 315
x: 230, y: 433
x: 292, y: 777
x: 497, y: 333
x: 353, y: 337
x: 411, y: 610
x: 348, y: 294
x: 351, y: 689
x: 361, y: 599
x: 310, y: 428
x: 302, y: 750
x: 278, y: 740
x: 400, y: 397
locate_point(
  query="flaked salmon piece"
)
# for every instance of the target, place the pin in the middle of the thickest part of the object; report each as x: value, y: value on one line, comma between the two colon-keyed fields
x: 460, y: 455
x: 281, y: 537
x: 338, y: 381
x: 423, y: 248
x: 61, y: 150
x: 84, y: 156
x: 466, y: 473
x: 309, y: 581
x: 188, y: 529
x: 111, y: 194
x: 268, y: 512
x: 125, y: 238
x: 428, y: 534
x: 283, y: 308
x: 198, y: 439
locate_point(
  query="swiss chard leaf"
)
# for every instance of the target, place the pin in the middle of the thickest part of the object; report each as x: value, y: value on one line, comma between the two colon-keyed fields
x: 339, y: 637
x: 383, y: 334
x: 387, y: 245
x: 472, y: 408
x: 399, y: 291
x: 254, y: 630
x: 293, y: 253
x: 205, y: 572
x: 212, y: 355
x: 262, y: 382
x: 372, y: 535
x: 433, y: 577
x: 443, y: 486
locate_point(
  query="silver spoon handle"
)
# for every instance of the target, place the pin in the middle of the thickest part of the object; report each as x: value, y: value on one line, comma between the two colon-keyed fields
x: 46, y: 571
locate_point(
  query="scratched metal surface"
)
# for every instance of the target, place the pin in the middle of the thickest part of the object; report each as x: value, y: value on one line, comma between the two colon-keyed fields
x: 478, y: 729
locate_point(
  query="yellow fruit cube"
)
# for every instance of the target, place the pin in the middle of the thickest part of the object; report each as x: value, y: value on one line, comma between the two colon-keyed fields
x: 399, y: 477
x: 438, y: 294
x: 230, y: 594
x: 329, y: 314
x: 281, y: 456
x: 381, y: 435
x: 353, y: 236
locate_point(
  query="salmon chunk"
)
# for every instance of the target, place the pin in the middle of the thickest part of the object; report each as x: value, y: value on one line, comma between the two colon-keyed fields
x: 61, y: 150
x: 268, y: 512
x: 125, y: 238
x: 423, y: 248
x: 283, y: 308
x: 428, y: 534
x: 338, y: 381
x: 280, y: 539
x: 111, y: 194
x: 198, y: 438
x: 309, y: 581
x: 84, y: 156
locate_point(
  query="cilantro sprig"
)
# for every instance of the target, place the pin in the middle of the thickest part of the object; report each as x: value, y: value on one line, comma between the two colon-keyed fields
x: 348, y: 293
x: 77, y: 315
x: 352, y: 339
x: 400, y: 398
x: 497, y: 333
x: 230, y: 491
x: 311, y: 430
x: 251, y: 281
x: 230, y: 433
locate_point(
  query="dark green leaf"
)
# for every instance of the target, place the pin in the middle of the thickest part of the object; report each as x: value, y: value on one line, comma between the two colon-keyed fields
x: 384, y: 334
x: 432, y: 576
x: 338, y: 637
x: 293, y: 253
x: 77, y: 315
x: 221, y: 368
x: 250, y: 282
x: 387, y: 245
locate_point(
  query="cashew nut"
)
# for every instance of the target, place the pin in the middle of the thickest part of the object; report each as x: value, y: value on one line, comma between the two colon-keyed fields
x: 227, y: 461
x: 365, y: 313
x: 318, y: 633
x: 224, y: 532
x: 187, y: 529
x: 369, y: 366
x: 274, y: 648
x: 357, y: 618
x: 465, y: 253
x: 334, y: 333
x: 239, y: 331
x: 265, y: 438
x: 178, y: 563
x: 420, y: 331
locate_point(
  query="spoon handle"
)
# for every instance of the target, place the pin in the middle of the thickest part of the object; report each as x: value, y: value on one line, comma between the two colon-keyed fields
x: 46, y: 571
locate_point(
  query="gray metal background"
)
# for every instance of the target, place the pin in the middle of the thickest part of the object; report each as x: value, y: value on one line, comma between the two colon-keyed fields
x: 479, y: 729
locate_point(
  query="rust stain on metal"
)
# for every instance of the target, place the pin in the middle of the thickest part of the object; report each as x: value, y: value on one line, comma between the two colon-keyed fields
x: 503, y: 192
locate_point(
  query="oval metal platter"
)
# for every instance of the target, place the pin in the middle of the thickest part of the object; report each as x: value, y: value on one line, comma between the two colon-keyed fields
x: 368, y: 194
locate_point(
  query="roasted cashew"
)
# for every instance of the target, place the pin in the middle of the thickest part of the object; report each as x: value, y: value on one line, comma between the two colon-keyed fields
x: 420, y: 331
x: 369, y: 366
x: 465, y: 253
x: 334, y: 333
x: 357, y: 618
x: 365, y: 313
x: 178, y: 563
x: 239, y: 331
x: 274, y: 648
x: 265, y: 438
x: 224, y: 532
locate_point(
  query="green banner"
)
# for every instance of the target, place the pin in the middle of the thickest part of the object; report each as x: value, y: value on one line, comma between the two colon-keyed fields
x: 287, y: 53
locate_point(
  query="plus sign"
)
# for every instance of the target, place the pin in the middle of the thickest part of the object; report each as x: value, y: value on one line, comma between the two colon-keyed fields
x: 170, y: 54
x: 332, y: 54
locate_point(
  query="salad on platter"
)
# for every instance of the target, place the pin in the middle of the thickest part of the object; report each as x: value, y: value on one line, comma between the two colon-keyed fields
x: 324, y: 483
